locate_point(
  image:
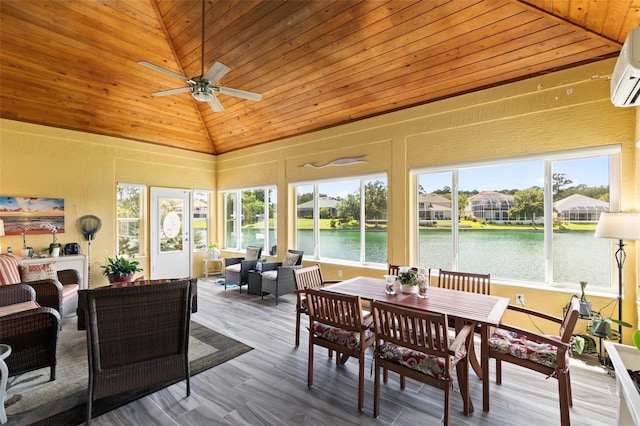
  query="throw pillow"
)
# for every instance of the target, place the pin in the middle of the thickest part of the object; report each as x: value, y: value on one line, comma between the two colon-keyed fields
x: 44, y: 271
x: 252, y: 253
x: 9, y: 269
x: 290, y: 259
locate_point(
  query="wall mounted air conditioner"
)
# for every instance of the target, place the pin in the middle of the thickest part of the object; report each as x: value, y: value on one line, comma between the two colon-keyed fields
x: 625, y: 80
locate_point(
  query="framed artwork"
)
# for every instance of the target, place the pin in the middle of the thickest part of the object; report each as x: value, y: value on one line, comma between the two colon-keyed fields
x: 33, y: 215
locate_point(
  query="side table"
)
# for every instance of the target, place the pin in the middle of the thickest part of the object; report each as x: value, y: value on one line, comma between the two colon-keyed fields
x: 5, y: 351
x: 218, y: 266
x: 255, y: 282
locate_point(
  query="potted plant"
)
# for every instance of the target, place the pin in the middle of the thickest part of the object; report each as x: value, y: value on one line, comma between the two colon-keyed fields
x: 120, y: 269
x: 585, y: 306
x: 408, y: 280
x: 636, y: 339
x: 601, y: 326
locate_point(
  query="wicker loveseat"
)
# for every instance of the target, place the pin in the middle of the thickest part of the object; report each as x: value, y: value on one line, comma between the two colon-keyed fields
x: 30, y: 330
x: 54, y: 289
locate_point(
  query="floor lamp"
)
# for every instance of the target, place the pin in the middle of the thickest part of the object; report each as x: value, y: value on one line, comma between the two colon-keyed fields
x: 619, y: 226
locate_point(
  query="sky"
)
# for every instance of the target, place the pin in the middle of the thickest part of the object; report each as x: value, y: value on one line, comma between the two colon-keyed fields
x: 589, y: 171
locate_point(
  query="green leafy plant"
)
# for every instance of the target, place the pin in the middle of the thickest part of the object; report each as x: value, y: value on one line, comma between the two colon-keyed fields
x: 120, y: 266
x: 601, y: 326
x: 636, y: 339
x: 408, y: 278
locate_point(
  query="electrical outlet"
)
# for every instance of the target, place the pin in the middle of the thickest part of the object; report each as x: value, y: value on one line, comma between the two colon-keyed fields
x: 339, y: 272
x: 520, y: 298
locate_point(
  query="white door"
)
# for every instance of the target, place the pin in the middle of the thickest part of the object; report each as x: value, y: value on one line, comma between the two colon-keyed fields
x: 170, y: 233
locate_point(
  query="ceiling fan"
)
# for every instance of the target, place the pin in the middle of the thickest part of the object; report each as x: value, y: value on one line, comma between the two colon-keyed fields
x: 203, y: 87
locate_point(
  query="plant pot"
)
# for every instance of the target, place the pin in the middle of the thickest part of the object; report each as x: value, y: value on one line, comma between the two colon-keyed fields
x: 408, y: 288
x: 119, y: 279
x: 55, y: 252
x: 585, y: 309
x: 214, y: 253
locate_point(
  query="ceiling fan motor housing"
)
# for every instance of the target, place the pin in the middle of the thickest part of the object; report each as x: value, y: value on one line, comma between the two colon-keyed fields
x: 202, y: 92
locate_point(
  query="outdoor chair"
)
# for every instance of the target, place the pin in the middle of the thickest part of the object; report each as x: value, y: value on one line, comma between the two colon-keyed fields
x: 137, y: 337
x: 277, y: 277
x: 304, y: 279
x: 416, y: 344
x: 30, y: 330
x: 472, y: 283
x: 546, y: 354
x: 54, y: 289
x: 236, y: 269
x: 338, y: 323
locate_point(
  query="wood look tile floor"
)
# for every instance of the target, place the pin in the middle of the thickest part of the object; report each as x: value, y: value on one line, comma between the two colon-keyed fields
x: 268, y: 385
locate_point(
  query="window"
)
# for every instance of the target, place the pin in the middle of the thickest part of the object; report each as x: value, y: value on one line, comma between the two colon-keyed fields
x: 529, y: 219
x: 130, y: 205
x: 335, y: 221
x: 201, y: 210
x: 250, y: 218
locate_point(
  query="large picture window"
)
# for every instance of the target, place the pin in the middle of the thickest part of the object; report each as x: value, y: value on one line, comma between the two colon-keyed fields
x: 531, y: 220
x: 250, y: 218
x: 130, y: 199
x: 343, y: 219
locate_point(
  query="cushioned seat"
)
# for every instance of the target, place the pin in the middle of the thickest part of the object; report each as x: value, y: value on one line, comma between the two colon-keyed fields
x: 54, y: 289
x: 277, y: 277
x: 236, y: 269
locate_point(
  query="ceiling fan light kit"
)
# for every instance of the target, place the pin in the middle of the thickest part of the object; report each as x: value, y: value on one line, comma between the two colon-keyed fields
x: 203, y: 88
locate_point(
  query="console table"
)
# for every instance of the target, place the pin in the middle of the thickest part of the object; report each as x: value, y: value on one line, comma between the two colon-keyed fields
x: 218, y: 266
x: 625, y: 357
x: 77, y: 262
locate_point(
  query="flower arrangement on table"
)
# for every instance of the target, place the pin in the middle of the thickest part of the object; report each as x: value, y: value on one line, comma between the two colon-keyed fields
x: 409, y: 277
x: 214, y: 251
x: 54, y: 230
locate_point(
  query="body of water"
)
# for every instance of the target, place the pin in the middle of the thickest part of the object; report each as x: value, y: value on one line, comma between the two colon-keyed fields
x: 516, y: 255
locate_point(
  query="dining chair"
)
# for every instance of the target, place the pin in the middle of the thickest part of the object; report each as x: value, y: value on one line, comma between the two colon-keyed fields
x: 472, y: 283
x: 137, y: 337
x: 304, y: 279
x: 338, y: 323
x: 416, y: 344
x: 546, y: 354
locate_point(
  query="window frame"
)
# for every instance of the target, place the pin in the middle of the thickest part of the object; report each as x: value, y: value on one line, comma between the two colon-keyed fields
x: 315, y: 184
x: 208, y: 193
x: 611, y: 151
x: 141, y: 219
x: 239, y: 244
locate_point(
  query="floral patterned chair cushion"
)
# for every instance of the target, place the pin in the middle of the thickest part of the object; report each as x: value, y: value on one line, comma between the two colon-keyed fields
x: 519, y: 346
x: 430, y: 365
x: 338, y: 335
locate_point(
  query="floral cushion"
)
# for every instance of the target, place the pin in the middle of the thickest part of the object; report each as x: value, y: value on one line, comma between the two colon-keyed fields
x: 251, y: 253
x: 290, y: 259
x: 43, y: 271
x: 338, y: 335
x: 519, y: 346
x: 431, y: 365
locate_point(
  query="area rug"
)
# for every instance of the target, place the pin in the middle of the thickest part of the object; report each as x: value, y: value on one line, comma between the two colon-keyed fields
x: 33, y: 400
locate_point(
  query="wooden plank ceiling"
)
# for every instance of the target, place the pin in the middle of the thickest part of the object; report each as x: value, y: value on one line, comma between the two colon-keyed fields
x: 318, y: 64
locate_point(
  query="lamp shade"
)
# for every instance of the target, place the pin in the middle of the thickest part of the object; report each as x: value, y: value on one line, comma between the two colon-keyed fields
x: 619, y: 225
x: 1, y: 228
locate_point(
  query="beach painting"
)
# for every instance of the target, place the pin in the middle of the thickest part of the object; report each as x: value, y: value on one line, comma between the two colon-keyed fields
x: 33, y: 215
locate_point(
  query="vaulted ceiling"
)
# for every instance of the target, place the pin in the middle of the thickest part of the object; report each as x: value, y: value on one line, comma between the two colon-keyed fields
x: 317, y: 63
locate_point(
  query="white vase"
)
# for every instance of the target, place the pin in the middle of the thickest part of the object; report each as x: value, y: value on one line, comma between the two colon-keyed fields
x: 55, y: 252
x: 214, y: 253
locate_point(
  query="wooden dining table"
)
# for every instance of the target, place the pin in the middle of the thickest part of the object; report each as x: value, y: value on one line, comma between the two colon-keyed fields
x: 477, y: 309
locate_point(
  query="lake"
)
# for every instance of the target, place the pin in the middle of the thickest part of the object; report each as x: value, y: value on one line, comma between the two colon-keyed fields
x: 515, y: 255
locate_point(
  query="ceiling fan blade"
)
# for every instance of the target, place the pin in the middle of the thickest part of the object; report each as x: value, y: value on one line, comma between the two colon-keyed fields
x: 216, y: 72
x: 171, y: 91
x: 215, y: 104
x: 239, y: 93
x: 163, y: 70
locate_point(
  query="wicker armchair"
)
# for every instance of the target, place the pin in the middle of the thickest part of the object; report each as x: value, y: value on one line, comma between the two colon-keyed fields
x: 30, y: 330
x: 277, y: 277
x: 138, y: 337
x: 60, y: 294
x: 236, y: 269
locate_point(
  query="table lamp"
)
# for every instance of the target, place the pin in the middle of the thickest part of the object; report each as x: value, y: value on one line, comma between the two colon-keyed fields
x: 619, y: 226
